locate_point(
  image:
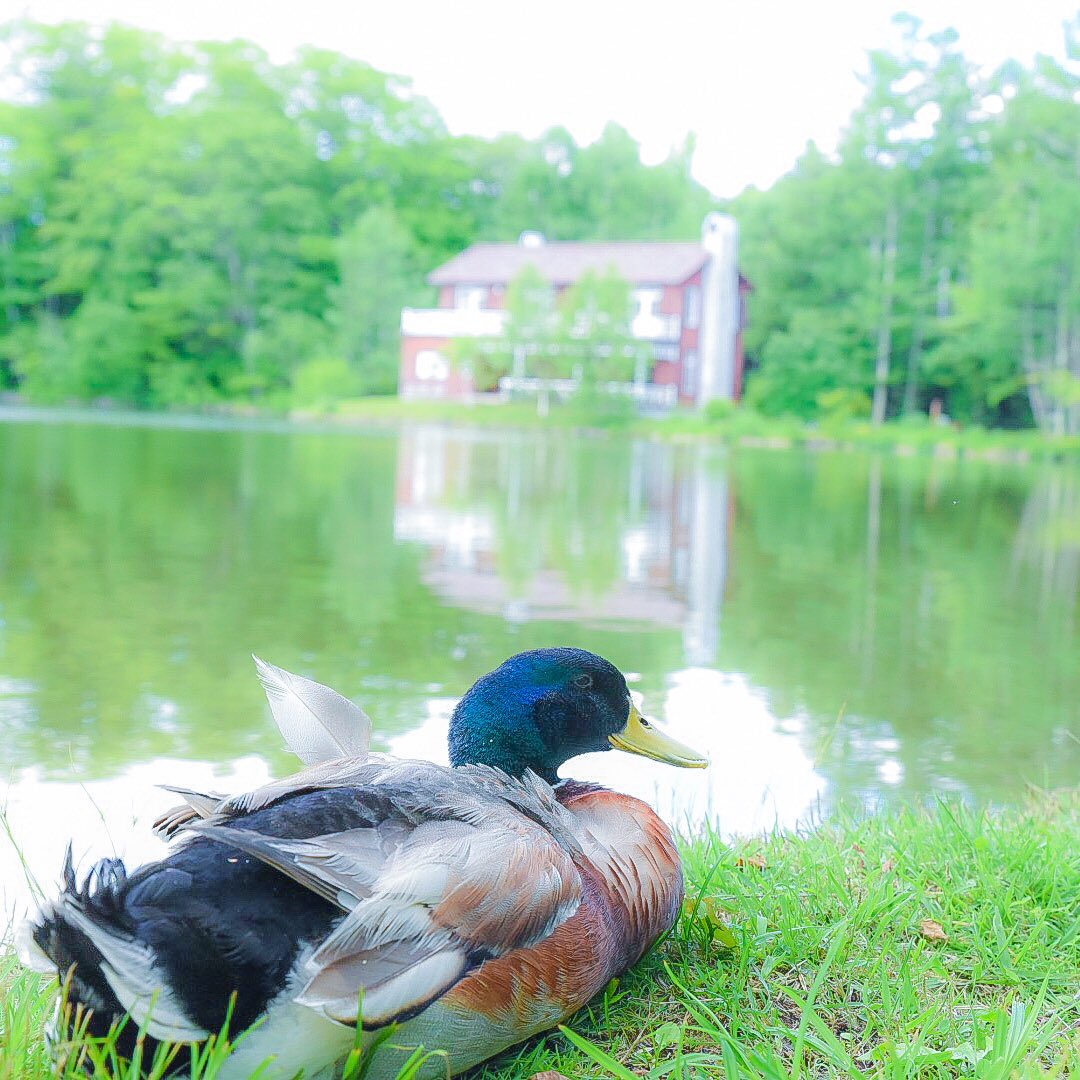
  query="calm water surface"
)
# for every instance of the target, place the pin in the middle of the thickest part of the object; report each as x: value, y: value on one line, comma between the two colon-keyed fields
x: 830, y: 628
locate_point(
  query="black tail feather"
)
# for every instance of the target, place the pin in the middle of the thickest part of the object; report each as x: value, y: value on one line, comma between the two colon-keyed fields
x: 91, y: 1004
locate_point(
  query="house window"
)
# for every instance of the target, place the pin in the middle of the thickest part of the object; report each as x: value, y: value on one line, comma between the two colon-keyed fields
x: 647, y: 302
x: 692, y: 313
x: 470, y: 297
x: 690, y: 374
x: 666, y: 352
x: 432, y: 366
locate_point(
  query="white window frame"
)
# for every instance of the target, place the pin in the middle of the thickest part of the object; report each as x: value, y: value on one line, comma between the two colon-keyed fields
x: 691, y: 373
x: 653, y: 296
x: 470, y: 297
x: 692, y: 307
x: 431, y: 366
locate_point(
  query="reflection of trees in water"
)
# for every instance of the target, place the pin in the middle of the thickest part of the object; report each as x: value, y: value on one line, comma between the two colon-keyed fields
x: 138, y: 568
x: 563, y: 509
x: 917, y: 618
x: 1048, y: 543
x: 882, y: 601
x: 595, y: 530
x: 871, y: 596
x: 143, y: 565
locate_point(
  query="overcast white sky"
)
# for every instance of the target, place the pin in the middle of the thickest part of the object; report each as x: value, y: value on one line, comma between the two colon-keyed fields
x: 754, y: 80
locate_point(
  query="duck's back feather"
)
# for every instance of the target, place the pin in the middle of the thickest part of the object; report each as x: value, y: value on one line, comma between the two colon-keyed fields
x: 389, y: 890
x: 471, y: 908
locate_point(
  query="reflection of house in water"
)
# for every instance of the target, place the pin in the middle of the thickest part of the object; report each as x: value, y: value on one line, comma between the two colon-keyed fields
x: 469, y: 499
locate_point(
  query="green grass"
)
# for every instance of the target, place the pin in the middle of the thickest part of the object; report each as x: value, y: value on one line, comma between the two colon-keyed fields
x: 811, y: 956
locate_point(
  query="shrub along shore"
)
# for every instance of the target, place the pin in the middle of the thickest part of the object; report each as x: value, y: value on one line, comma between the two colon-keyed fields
x: 915, y: 944
x: 723, y: 422
x: 730, y: 425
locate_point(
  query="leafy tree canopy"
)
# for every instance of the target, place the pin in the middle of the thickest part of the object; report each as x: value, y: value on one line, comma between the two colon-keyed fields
x: 187, y: 223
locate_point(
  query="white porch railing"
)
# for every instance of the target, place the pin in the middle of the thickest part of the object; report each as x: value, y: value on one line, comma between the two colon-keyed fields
x: 486, y: 322
x: 648, y: 326
x: 452, y: 322
x: 647, y: 395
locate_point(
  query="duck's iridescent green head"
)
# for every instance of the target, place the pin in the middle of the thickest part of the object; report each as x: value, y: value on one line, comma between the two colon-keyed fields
x: 543, y: 707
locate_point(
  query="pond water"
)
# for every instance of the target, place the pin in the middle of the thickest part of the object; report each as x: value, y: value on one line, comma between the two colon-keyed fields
x: 831, y: 629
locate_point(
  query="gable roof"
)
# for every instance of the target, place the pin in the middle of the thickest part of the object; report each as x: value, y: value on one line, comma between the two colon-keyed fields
x: 563, y: 262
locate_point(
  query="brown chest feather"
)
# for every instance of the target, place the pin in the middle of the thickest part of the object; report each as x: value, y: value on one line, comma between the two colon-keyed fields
x: 632, y: 889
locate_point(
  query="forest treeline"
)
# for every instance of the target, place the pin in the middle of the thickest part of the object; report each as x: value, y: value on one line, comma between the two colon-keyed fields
x: 187, y: 224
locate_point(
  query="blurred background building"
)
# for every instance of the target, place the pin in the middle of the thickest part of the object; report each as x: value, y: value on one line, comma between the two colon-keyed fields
x: 689, y: 306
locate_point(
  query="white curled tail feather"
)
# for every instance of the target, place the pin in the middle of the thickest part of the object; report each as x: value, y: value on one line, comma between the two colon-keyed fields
x: 318, y: 723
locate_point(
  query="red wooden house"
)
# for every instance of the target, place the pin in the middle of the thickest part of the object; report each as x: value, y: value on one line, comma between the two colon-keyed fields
x: 689, y: 305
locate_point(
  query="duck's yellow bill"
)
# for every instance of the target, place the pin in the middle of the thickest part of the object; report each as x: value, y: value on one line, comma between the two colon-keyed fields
x: 640, y: 737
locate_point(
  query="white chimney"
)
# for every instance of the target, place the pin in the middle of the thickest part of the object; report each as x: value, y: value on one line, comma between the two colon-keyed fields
x: 719, y: 308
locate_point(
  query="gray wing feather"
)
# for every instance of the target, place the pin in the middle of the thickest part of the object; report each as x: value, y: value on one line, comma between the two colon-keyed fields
x: 463, y: 862
x: 197, y: 805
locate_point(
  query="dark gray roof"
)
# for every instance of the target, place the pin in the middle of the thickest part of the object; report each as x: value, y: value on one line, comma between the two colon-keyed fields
x: 562, y: 263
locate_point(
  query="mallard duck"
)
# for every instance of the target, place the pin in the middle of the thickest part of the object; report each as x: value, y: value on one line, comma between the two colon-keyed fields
x: 459, y: 908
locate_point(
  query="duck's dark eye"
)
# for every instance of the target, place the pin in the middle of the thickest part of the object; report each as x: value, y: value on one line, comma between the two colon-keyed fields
x: 584, y: 681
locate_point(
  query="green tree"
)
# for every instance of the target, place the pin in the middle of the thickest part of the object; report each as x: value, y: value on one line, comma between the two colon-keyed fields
x: 186, y: 224
x: 77, y: 137
x: 362, y: 126
x: 582, y: 334
x: 856, y: 261
x: 530, y: 345
x: 593, y: 334
x: 814, y: 268
x: 1018, y: 322
x: 376, y: 278
x: 807, y: 361
x: 180, y: 215
x: 614, y: 196
x: 282, y: 344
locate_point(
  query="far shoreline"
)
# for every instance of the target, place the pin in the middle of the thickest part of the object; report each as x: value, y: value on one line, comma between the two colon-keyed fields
x: 740, y: 428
